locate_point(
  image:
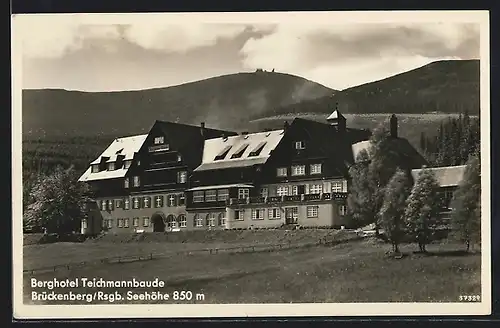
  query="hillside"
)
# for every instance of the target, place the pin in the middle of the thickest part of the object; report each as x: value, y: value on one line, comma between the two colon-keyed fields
x: 444, y: 87
x: 223, y: 102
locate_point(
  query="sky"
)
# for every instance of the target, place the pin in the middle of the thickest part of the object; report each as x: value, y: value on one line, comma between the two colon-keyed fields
x: 72, y: 55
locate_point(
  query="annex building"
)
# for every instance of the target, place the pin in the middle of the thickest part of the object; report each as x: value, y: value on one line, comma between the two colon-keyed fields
x: 181, y: 176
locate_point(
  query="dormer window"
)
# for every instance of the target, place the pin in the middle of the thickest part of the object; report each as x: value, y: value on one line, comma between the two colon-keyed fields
x: 111, y: 166
x: 159, y: 140
x: 300, y: 145
x: 257, y: 150
x: 126, y: 164
x: 179, y: 157
x: 95, y: 168
x: 223, y: 153
x: 240, y: 151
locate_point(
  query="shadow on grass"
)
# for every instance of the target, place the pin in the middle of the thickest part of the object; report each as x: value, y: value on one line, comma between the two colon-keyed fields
x: 452, y: 253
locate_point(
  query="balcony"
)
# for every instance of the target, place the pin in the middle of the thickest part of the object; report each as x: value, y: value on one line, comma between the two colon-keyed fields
x: 288, y: 198
x: 157, y: 148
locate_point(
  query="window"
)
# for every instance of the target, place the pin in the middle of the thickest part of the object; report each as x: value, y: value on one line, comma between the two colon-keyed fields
x: 298, y: 170
x: 183, y: 221
x: 126, y: 204
x: 120, y: 223
x: 315, y: 168
x: 295, y: 190
x: 159, y: 140
x: 222, y: 195
x: 84, y: 223
x: 118, y: 203
x: 158, y: 201
x: 103, y: 205
x: 111, y: 166
x: 211, y: 220
x: 316, y: 189
x: 182, y: 199
x: 145, y: 221
x: 240, y: 151
x: 274, y: 213
x: 135, y: 222
x: 243, y: 193
x: 110, y: 223
x: 136, y: 202
x: 198, y: 197
x: 257, y: 150
x: 126, y: 183
x: 264, y: 192
x: 126, y: 164
x: 223, y: 153
x: 300, y: 145
x: 257, y: 214
x: 211, y: 195
x: 337, y: 186
x: 171, y: 200
x: 125, y: 223
x: 198, y: 222
x: 239, y: 215
x: 181, y: 177
x: 282, y: 191
x: 110, y: 204
x: 342, y: 209
x: 146, y: 202
x: 312, y: 211
x: 95, y: 168
x: 222, y: 219
x: 179, y: 157
x: 137, y: 181
x: 281, y: 172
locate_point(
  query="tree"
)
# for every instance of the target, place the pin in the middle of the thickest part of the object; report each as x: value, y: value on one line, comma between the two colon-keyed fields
x: 422, y: 208
x: 57, y: 202
x: 393, y: 207
x: 371, y: 173
x: 466, y: 216
x: 360, y: 200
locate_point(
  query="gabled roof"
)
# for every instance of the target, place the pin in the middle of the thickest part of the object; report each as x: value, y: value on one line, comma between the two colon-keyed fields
x: 246, y: 144
x: 410, y: 156
x: 446, y: 176
x: 335, y: 115
x: 126, y: 146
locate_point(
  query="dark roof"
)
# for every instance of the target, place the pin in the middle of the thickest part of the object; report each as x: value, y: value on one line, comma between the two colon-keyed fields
x: 335, y: 144
x: 446, y: 176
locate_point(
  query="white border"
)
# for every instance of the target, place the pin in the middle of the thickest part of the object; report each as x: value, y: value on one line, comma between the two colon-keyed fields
x: 21, y: 24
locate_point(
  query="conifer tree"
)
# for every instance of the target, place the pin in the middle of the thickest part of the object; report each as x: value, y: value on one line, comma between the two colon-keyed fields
x: 393, y: 208
x: 422, y: 209
x: 466, y: 216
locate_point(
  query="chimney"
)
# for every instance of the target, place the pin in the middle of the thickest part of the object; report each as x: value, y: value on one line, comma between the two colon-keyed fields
x: 202, y: 128
x: 394, y: 126
x: 286, y: 125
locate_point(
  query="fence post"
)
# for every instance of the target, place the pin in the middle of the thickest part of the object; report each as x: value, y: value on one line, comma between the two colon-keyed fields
x: 253, y: 248
x: 151, y: 256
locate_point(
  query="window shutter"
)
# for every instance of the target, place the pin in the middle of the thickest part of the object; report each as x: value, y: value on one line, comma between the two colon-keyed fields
x: 194, y: 220
x: 178, y: 200
x: 167, y: 200
x: 219, y: 221
x: 207, y: 220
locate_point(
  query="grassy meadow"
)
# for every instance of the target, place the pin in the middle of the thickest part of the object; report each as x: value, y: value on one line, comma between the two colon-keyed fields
x: 357, y: 271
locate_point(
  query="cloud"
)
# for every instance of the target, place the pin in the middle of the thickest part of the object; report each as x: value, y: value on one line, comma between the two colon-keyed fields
x: 52, y: 40
x: 356, y: 53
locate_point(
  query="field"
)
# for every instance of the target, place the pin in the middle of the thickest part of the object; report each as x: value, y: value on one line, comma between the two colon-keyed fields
x: 410, y: 125
x: 357, y: 271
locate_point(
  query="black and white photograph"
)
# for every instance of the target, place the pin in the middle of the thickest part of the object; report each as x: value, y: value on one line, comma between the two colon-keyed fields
x: 251, y: 164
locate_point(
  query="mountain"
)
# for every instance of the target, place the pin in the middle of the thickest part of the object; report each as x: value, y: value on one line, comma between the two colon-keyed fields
x: 450, y: 86
x: 223, y: 102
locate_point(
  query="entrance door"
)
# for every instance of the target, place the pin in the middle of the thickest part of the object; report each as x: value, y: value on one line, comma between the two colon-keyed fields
x: 291, y: 215
x: 158, y: 224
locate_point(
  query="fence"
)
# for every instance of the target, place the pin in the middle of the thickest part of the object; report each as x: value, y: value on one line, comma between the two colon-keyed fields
x: 209, y: 251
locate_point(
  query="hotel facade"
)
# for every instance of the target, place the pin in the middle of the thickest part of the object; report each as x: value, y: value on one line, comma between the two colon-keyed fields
x: 183, y: 177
